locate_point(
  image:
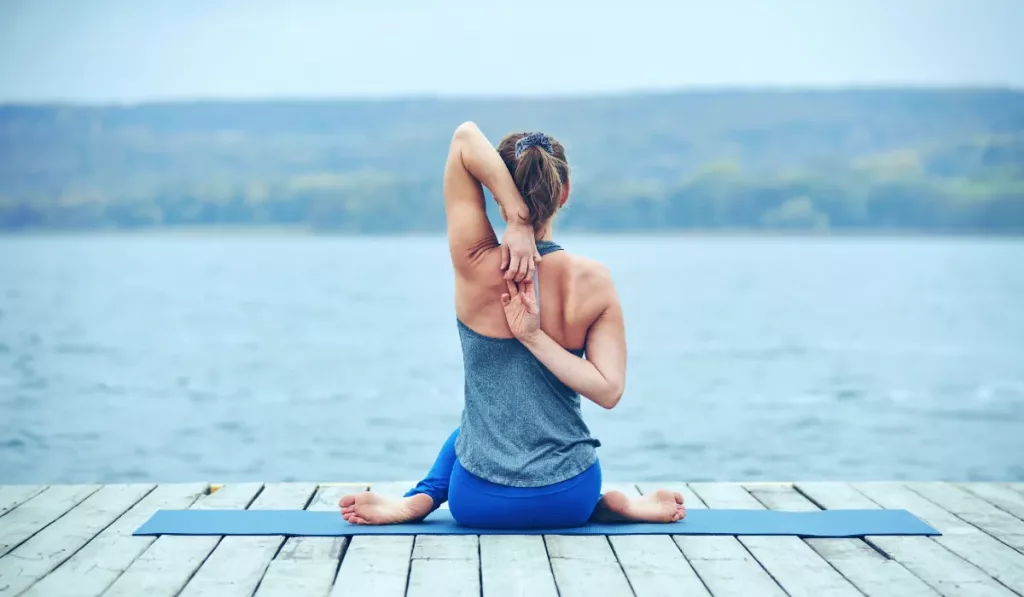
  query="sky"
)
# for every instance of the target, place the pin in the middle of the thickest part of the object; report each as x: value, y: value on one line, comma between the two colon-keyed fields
x: 127, y: 51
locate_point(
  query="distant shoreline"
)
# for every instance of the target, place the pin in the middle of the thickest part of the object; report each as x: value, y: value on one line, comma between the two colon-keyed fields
x: 869, y: 162
x: 305, y: 231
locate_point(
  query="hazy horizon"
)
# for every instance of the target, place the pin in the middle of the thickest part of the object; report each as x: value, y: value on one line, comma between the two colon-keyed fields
x: 119, y: 52
x: 638, y: 92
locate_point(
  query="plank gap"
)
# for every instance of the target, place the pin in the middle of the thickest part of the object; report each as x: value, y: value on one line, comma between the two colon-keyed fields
x: 203, y: 562
x: 809, y: 497
x: 479, y: 566
x: 991, y: 520
x: 75, y: 500
x: 763, y: 567
x: 71, y: 533
x: 690, y: 562
x: 957, y: 550
x: 341, y: 558
x: 767, y: 505
x: 101, y: 561
x: 547, y: 552
x: 11, y: 503
x: 408, y: 565
x: 996, y: 495
x: 629, y: 582
x: 255, y: 497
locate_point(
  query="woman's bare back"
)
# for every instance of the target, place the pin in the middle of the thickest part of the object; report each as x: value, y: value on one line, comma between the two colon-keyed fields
x: 573, y: 293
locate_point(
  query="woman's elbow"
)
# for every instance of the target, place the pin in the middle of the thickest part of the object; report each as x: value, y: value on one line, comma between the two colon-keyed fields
x: 465, y: 130
x: 611, y: 398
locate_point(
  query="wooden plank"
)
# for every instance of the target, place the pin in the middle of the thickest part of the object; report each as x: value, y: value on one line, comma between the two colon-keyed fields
x: 516, y: 566
x: 13, y: 495
x: 90, y: 571
x: 237, y: 564
x: 32, y: 516
x: 1000, y: 496
x: 830, y: 495
x: 376, y: 566
x: 445, y: 565
x: 723, y: 564
x: 725, y: 496
x: 308, y: 565
x: 897, y: 495
x: 871, y: 572
x: 167, y: 564
x: 943, y: 570
x: 965, y: 505
x: 586, y: 566
x: 791, y: 562
x: 1002, y: 562
x: 654, y: 564
x: 47, y: 549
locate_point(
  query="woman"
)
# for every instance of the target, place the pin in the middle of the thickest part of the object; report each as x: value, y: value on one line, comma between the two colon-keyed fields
x: 522, y: 456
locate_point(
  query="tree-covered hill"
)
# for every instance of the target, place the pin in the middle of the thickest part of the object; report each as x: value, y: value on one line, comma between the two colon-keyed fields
x: 901, y: 159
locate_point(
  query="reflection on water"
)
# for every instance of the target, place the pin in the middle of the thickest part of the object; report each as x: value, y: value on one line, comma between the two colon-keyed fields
x: 171, y: 358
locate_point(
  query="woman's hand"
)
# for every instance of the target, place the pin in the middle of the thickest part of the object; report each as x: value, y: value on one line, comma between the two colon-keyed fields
x: 521, y: 310
x: 519, y: 255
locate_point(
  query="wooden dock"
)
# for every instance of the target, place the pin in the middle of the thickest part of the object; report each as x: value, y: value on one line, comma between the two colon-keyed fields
x: 75, y: 540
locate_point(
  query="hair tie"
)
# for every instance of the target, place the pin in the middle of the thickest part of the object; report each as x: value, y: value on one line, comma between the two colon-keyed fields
x: 533, y: 140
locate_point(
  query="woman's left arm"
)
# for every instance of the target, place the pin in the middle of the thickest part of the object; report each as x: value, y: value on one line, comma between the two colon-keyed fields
x: 601, y: 377
x: 472, y: 161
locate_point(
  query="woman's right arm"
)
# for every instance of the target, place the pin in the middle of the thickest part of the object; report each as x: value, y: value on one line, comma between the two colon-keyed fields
x: 472, y: 161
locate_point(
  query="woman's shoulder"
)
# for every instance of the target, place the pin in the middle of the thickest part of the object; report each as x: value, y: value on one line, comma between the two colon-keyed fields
x: 590, y: 278
x: 588, y: 271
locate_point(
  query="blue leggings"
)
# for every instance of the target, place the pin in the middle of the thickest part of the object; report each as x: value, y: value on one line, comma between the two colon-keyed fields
x: 475, y: 502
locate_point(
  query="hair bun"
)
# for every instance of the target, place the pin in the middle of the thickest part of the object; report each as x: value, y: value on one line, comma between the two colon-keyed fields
x: 533, y: 140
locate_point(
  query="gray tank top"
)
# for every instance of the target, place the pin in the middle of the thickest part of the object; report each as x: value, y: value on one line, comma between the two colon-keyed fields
x: 521, y: 426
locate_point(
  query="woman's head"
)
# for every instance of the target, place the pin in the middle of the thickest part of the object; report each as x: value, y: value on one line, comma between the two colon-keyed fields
x: 537, y: 163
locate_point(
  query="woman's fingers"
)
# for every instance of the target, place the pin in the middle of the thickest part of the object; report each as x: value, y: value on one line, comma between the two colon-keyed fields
x: 505, y: 299
x: 525, y: 264
x: 528, y: 298
x: 504, y: 257
x: 515, y: 265
x: 513, y: 290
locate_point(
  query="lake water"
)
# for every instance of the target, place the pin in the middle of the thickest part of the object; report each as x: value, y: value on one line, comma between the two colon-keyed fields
x: 224, y: 358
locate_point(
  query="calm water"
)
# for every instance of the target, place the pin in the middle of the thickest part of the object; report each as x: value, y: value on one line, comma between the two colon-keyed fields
x: 168, y: 358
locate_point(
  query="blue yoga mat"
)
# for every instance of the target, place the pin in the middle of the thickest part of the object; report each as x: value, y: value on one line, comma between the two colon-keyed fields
x: 309, y: 523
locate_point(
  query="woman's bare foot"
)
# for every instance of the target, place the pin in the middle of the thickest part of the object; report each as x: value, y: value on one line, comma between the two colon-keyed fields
x: 660, y: 506
x: 369, y: 508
